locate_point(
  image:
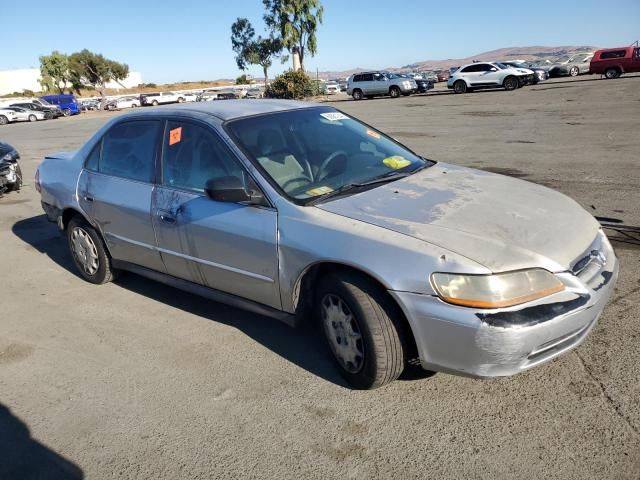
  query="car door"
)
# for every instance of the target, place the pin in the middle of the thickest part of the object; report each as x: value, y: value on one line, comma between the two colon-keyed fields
x: 488, y: 74
x: 21, y: 114
x: 115, y: 190
x: 231, y: 247
x: 367, y: 84
x: 633, y: 63
x: 379, y: 84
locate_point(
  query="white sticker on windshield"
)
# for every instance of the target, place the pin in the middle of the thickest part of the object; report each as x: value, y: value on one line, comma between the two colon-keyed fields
x: 333, y: 116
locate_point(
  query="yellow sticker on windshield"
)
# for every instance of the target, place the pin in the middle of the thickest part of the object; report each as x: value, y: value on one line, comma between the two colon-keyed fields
x: 396, y: 162
x: 373, y: 134
x: 314, y: 192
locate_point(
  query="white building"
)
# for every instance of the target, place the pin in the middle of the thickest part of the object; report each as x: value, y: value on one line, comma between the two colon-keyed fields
x: 29, y: 79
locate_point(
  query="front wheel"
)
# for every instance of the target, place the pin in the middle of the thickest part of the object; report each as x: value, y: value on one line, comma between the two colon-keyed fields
x: 612, y: 73
x: 460, y: 87
x: 394, y: 92
x: 3, y: 120
x: 89, y: 252
x: 511, y: 83
x: 33, y: 118
x: 154, y: 103
x: 66, y: 112
x: 360, y: 325
x: 574, y: 72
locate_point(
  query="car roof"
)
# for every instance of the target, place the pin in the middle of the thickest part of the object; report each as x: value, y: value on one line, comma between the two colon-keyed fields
x: 232, y: 109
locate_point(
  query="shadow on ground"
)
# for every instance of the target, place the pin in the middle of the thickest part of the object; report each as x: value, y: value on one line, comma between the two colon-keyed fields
x: 303, y: 346
x: 22, y: 457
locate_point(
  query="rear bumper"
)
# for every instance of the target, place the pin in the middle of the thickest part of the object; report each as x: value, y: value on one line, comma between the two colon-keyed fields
x: 501, y: 342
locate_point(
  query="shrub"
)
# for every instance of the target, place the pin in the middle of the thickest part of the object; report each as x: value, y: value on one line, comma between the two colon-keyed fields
x: 291, y: 85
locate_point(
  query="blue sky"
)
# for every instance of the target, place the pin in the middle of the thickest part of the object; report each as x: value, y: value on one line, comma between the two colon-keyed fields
x: 190, y: 40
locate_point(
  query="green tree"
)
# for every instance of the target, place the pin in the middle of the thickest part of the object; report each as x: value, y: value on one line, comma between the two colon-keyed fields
x: 54, y: 71
x: 253, y: 51
x: 94, y: 70
x: 295, y: 22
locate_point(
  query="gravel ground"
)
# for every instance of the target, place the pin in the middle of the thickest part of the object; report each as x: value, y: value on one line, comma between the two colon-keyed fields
x: 137, y: 380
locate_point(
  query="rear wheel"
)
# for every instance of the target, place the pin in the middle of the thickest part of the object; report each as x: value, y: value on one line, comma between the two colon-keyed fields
x: 394, y: 92
x: 360, y: 324
x: 154, y: 103
x: 89, y: 252
x: 66, y: 112
x: 3, y: 120
x: 33, y: 118
x: 357, y: 94
x: 510, y: 83
x: 612, y: 73
x: 574, y: 72
x: 460, y: 86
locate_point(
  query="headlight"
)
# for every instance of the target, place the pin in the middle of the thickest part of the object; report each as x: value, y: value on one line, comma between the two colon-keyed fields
x: 495, y: 291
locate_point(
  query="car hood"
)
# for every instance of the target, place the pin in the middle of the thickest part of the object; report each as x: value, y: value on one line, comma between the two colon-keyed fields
x: 499, y: 222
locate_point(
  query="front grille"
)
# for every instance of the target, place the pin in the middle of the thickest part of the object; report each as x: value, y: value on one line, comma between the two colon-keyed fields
x: 591, y: 266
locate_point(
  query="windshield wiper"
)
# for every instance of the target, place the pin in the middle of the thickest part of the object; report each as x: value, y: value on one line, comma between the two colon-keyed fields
x: 387, y: 177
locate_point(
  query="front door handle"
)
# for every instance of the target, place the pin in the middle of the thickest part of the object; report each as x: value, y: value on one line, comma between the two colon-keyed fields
x: 88, y: 198
x: 167, y: 218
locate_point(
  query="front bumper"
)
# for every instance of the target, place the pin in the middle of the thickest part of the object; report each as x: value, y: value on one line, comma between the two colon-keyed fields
x: 500, y: 342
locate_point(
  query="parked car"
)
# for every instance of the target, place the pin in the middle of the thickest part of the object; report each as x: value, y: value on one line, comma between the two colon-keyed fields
x: 10, y: 171
x: 613, y: 62
x: 188, y: 97
x: 24, y: 115
x: 572, y: 66
x: 226, y: 95
x: 488, y: 75
x: 539, y: 74
x: 433, y: 76
x: 207, y: 96
x: 43, y: 103
x: 126, y: 102
x: 443, y: 75
x: 424, y: 85
x: 371, y: 84
x: 7, y: 116
x: 299, y: 211
x: 49, y: 112
x: 87, y: 105
x: 254, y: 93
x: 331, y: 88
x: 158, y: 98
x: 67, y: 103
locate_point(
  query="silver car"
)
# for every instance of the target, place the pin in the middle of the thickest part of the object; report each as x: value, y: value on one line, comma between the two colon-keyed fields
x: 572, y: 66
x: 371, y: 84
x: 299, y: 211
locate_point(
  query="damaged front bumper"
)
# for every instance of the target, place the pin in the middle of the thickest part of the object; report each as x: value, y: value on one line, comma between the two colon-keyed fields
x: 500, y: 342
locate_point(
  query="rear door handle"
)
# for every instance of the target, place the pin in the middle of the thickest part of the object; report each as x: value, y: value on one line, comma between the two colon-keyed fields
x: 88, y: 198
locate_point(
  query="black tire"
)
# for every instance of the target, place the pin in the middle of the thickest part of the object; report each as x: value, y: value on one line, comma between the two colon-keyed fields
x: 510, y: 83
x: 574, y: 72
x: 3, y: 120
x: 357, y: 94
x: 33, y: 118
x: 66, y: 112
x: 460, y: 86
x: 611, y: 73
x: 382, y: 352
x: 104, y: 272
x: 154, y: 103
x: 15, y: 187
x: 394, y: 92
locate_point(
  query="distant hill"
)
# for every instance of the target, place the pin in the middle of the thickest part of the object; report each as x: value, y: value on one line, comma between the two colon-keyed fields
x: 511, y: 53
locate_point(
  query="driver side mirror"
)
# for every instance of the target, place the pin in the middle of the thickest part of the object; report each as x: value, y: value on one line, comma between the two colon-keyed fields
x: 494, y: 69
x: 232, y: 190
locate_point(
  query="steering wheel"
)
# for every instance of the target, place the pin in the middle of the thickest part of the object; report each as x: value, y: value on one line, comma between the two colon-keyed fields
x: 324, y: 167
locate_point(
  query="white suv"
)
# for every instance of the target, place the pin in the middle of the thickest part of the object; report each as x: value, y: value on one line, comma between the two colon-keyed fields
x: 488, y: 75
x: 162, y: 97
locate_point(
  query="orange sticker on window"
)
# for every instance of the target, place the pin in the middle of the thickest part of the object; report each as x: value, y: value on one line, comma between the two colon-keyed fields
x: 175, y: 135
x: 373, y: 134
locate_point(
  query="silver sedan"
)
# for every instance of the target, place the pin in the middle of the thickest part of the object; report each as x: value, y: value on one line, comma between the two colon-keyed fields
x: 301, y: 212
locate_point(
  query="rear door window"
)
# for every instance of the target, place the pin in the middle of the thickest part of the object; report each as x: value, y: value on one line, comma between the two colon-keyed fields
x: 129, y: 150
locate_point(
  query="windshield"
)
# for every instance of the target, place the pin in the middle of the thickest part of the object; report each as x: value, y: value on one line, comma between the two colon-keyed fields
x: 501, y: 66
x: 314, y: 151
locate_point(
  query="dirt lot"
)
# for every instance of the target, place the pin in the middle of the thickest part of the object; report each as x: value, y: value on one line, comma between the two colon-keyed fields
x: 136, y: 380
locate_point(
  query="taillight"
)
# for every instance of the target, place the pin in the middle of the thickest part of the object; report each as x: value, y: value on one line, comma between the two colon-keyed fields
x: 37, y: 181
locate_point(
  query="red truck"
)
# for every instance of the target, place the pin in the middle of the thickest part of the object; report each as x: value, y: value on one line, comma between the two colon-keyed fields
x: 613, y: 62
